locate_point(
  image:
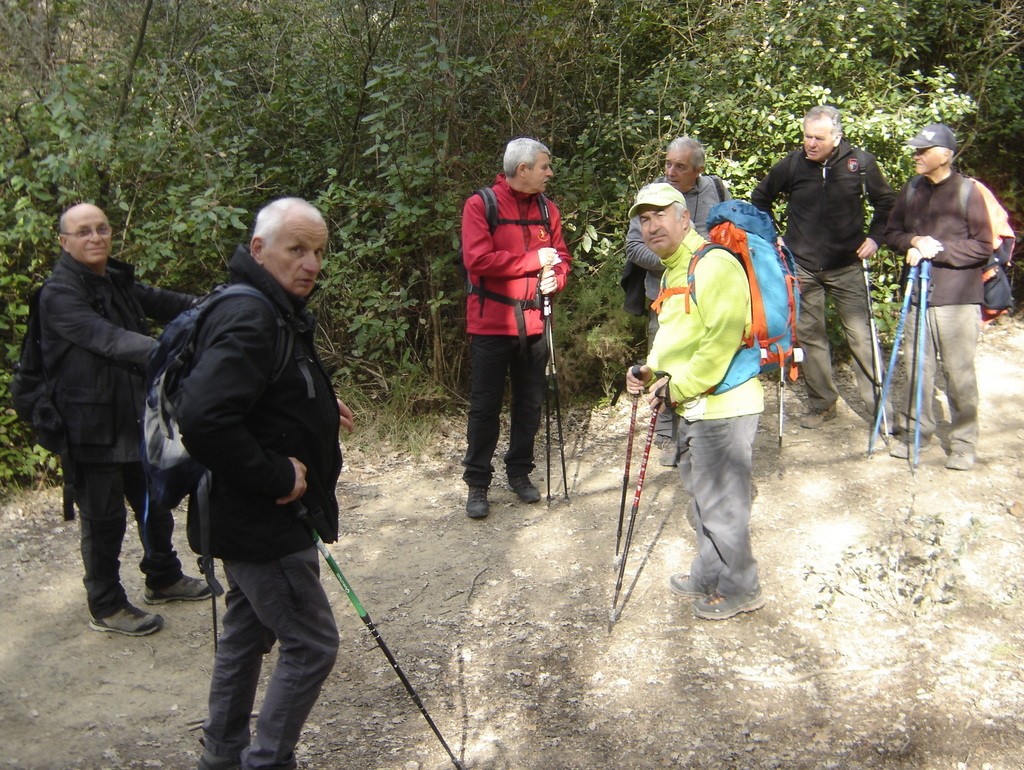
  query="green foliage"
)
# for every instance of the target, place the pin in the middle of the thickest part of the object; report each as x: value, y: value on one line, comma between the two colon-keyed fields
x: 388, y: 115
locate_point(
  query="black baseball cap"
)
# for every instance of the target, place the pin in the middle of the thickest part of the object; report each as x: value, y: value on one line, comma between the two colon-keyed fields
x: 934, y: 135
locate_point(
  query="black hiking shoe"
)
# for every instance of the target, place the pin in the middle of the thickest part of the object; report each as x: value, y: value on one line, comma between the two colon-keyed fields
x: 476, y: 504
x: 524, y: 488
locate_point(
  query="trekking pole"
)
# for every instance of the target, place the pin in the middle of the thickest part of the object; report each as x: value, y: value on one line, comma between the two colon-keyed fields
x: 641, y: 474
x: 365, y: 617
x: 907, y: 293
x: 552, y: 376
x: 629, y: 461
x: 919, y: 363
x: 782, y: 402
x: 876, y: 362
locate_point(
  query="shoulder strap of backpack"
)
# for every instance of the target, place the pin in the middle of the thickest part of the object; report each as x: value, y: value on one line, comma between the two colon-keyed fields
x: 966, y: 183
x: 284, y: 344
x: 862, y: 170
x: 719, y: 186
x: 490, y: 207
x: 491, y: 211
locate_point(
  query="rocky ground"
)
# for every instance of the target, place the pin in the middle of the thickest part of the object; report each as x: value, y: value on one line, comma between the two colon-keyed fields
x: 892, y: 638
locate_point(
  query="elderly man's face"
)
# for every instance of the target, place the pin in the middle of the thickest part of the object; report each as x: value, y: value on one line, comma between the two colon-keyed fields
x: 680, y: 170
x: 535, y: 180
x: 294, y: 254
x: 931, y: 161
x: 818, y: 139
x: 86, y: 236
x: 663, y: 230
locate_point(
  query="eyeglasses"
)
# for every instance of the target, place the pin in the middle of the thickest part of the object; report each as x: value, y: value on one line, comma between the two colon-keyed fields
x: 921, y: 150
x: 84, y: 232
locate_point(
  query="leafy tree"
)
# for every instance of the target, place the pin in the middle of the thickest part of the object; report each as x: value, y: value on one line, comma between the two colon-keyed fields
x: 182, y: 118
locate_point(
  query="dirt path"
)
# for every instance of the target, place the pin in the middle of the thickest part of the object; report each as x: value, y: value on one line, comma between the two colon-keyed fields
x: 893, y: 636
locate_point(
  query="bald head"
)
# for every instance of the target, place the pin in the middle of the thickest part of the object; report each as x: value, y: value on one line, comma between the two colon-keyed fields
x: 85, y: 234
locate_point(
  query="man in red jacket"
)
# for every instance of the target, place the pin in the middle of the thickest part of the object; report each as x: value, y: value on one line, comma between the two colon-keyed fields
x: 512, y: 267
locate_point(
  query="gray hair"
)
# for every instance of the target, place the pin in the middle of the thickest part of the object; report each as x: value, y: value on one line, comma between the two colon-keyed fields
x: 690, y: 145
x: 828, y: 112
x: 522, y: 150
x: 271, y: 216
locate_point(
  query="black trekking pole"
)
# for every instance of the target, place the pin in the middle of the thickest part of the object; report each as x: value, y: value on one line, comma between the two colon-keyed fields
x: 365, y: 617
x: 552, y: 386
x: 876, y: 362
x: 907, y: 294
x: 629, y: 461
x: 641, y: 474
x: 919, y: 363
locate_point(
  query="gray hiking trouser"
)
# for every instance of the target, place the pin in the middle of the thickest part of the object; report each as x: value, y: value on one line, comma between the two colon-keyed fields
x: 282, y: 601
x: 846, y: 287
x: 952, y: 332
x: 716, y: 463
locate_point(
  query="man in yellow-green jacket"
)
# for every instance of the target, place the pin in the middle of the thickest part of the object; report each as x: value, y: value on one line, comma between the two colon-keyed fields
x: 698, y: 336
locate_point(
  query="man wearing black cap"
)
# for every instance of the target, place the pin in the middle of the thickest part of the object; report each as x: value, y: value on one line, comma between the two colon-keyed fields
x: 931, y: 222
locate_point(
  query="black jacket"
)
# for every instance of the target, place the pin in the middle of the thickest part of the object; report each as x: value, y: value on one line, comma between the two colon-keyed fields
x: 825, y: 212
x: 243, y: 425
x: 96, y: 342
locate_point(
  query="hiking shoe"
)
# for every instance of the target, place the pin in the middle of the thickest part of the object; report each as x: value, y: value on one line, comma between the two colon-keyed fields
x: 524, y: 488
x: 720, y: 607
x: 901, y: 449
x: 815, y: 418
x: 130, y: 621
x: 683, y: 585
x: 188, y: 589
x: 960, y: 461
x: 476, y: 504
x: 669, y: 453
x: 210, y: 761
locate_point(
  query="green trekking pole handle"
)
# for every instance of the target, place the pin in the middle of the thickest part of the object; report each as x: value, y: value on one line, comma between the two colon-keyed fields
x: 303, y: 516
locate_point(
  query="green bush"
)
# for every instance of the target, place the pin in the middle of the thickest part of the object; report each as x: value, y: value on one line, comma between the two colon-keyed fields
x: 181, y: 119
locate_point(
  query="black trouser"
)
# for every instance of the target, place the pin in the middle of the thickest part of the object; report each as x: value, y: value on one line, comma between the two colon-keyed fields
x: 492, y: 359
x: 100, y: 492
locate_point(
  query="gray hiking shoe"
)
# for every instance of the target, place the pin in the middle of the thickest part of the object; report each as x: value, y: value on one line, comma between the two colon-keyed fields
x: 130, y: 621
x: 683, y: 585
x: 188, y: 589
x: 816, y: 418
x: 477, y: 506
x: 210, y: 761
x: 721, y: 607
x: 960, y: 461
x: 524, y: 488
x: 669, y: 453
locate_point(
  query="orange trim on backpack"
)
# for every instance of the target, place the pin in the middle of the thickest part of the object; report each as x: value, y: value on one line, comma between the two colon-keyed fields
x: 733, y: 238
x: 671, y: 291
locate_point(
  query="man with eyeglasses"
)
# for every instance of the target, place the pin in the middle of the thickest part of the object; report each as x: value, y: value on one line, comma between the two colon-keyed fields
x: 96, y: 344
x: 931, y: 222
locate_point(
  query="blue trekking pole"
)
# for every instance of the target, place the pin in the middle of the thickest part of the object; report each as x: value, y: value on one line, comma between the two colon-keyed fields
x: 880, y: 415
x: 919, y: 363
